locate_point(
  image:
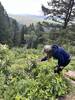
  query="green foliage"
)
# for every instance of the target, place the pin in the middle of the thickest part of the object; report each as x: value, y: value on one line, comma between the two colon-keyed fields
x: 35, y: 37
x: 22, y: 77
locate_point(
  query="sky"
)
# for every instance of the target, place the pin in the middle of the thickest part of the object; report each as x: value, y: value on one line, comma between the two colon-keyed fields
x: 22, y: 7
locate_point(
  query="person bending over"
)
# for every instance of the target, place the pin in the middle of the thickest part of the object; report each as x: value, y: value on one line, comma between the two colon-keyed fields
x: 58, y: 53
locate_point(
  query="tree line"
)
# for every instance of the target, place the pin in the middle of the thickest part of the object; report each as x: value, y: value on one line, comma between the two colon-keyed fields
x: 32, y: 36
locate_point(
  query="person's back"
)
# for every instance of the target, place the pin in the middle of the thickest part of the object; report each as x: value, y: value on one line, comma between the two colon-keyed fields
x: 60, y: 54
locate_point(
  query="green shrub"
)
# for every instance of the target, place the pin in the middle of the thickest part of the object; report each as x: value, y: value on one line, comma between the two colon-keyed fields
x: 23, y: 78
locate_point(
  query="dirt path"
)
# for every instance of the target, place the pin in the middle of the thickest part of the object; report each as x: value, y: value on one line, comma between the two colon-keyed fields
x: 70, y: 75
x: 70, y: 97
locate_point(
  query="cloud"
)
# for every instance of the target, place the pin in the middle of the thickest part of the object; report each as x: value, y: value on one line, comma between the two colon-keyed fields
x: 23, y: 6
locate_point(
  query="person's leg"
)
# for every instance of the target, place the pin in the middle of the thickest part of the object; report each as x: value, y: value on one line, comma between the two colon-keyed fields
x: 58, y: 69
x: 67, y: 62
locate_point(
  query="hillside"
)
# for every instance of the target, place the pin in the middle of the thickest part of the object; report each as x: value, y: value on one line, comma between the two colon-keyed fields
x: 27, y: 19
x: 8, y: 27
x: 24, y: 77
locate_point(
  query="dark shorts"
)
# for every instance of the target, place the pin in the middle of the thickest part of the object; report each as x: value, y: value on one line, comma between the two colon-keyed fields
x: 66, y: 62
x: 58, y: 68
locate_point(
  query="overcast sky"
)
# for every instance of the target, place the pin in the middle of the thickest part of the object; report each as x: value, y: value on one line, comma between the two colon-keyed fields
x: 23, y: 6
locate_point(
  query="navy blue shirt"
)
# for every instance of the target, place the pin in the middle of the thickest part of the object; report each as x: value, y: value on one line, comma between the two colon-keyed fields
x: 60, y: 54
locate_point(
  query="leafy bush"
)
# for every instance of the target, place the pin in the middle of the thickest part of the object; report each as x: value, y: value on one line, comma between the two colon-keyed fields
x: 22, y: 77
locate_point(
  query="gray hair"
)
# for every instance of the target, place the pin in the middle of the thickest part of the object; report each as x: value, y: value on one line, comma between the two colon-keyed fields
x: 47, y: 48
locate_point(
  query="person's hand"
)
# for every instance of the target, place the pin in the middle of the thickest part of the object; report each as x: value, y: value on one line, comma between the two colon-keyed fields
x: 58, y: 69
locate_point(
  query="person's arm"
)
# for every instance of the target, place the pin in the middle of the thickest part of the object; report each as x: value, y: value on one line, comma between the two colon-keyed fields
x: 49, y: 55
x: 44, y: 59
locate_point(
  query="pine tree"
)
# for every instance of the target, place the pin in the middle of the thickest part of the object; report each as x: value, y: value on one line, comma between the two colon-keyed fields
x: 61, y: 9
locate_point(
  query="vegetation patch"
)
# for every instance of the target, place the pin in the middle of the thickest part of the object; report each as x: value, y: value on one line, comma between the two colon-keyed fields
x: 23, y: 77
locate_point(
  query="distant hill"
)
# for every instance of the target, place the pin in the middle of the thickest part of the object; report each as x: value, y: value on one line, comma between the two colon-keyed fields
x: 27, y: 19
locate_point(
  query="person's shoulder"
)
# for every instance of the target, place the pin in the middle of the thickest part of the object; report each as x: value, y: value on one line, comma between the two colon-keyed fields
x: 61, y: 49
x: 55, y: 49
x: 54, y: 46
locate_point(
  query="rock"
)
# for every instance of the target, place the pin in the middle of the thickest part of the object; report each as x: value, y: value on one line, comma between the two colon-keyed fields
x: 70, y: 74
